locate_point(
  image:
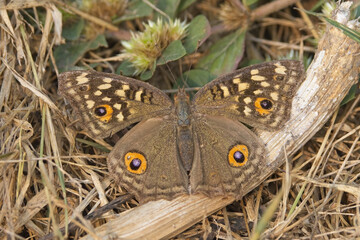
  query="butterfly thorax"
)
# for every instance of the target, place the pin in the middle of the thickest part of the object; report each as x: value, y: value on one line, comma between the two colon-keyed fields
x: 185, y: 140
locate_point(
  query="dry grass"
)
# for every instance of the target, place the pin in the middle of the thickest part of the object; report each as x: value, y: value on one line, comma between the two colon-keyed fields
x: 50, y: 179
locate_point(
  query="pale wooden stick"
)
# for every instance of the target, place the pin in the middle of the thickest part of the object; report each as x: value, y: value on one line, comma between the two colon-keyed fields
x: 334, y: 70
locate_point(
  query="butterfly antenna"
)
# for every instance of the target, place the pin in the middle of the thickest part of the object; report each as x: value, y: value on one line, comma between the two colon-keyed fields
x: 184, y: 81
x: 188, y: 89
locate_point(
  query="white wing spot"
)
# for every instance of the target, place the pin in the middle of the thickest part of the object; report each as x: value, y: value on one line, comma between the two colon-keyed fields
x: 291, y: 80
x: 98, y: 93
x: 81, y: 79
x: 274, y: 96
x: 107, y: 80
x: 138, y: 95
x: 247, y: 100
x: 238, y: 76
x: 107, y: 99
x: 286, y: 88
x: 247, y: 111
x: 72, y: 91
x: 265, y: 84
x: 125, y: 87
x: 225, y: 90
x: 236, y: 80
x: 117, y: 106
x: 280, y: 68
x: 104, y: 86
x: 120, y: 93
x: 90, y: 103
x: 242, y: 86
x: 120, y: 116
x: 254, y: 72
x: 86, y: 96
x: 258, y: 78
x: 257, y: 92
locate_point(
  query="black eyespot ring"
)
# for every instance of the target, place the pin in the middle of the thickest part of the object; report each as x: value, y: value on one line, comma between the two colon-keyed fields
x: 100, y: 111
x: 84, y: 88
x: 266, y: 104
x: 238, y: 155
x: 104, y: 112
x: 135, y: 162
x: 279, y: 77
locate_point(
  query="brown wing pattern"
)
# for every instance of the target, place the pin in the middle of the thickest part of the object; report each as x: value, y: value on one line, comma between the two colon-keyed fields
x: 107, y: 103
x: 162, y: 175
x: 258, y: 95
x: 214, y: 172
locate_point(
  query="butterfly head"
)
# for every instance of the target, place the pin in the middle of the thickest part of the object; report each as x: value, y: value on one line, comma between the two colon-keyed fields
x: 181, y: 96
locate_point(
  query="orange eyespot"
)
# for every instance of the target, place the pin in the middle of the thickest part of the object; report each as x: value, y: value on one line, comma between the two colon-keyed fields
x: 238, y: 155
x: 135, y: 162
x: 263, y: 106
x: 104, y: 113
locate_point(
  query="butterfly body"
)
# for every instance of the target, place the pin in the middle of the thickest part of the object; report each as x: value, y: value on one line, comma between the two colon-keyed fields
x: 186, y: 147
x: 184, y: 136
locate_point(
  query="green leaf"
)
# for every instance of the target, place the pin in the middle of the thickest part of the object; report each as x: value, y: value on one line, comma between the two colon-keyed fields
x: 194, y: 78
x: 173, y: 52
x: 225, y: 54
x: 167, y: 6
x: 126, y: 68
x: 356, y: 12
x: 72, y: 29
x: 351, y: 94
x: 249, y: 2
x: 93, y: 144
x: 67, y: 55
x: 351, y: 33
x: 148, y: 74
x: 198, y: 31
x: 184, y: 4
x: 135, y: 9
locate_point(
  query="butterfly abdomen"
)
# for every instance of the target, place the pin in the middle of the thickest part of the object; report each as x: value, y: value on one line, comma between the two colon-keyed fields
x: 184, y: 136
x: 185, y: 144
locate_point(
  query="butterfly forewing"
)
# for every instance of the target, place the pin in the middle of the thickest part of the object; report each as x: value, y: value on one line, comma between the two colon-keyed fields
x: 107, y: 103
x: 258, y: 95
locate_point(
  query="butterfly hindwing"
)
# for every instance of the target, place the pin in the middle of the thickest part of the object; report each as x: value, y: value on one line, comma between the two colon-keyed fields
x: 107, y: 103
x: 258, y: 95
x: 228, y: 157
x: 145, y: 161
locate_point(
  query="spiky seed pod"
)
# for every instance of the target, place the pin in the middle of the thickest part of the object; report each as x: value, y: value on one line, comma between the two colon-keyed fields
x: 145, y: 47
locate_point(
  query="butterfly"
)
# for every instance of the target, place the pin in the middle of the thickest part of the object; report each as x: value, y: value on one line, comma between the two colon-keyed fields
x: 186, y: 146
